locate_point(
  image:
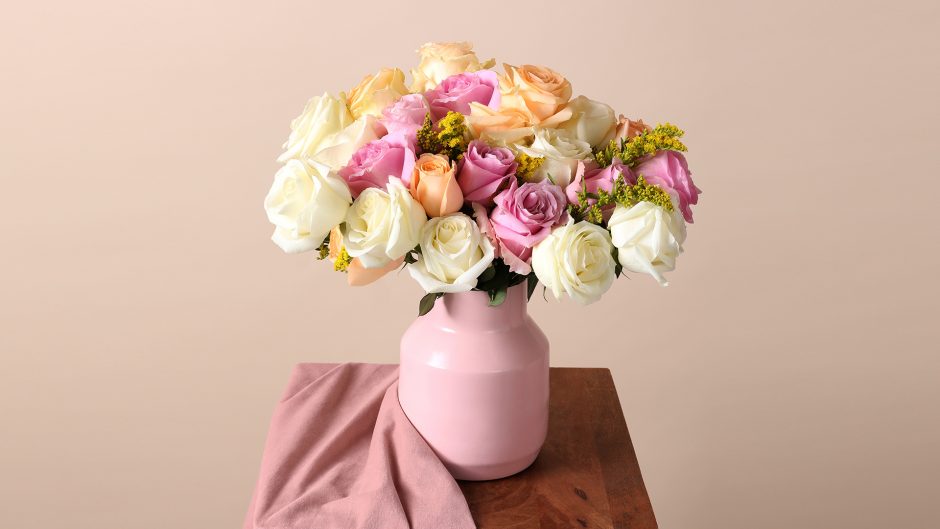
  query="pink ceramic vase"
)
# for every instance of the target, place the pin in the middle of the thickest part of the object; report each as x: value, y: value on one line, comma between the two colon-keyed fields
x: 474, y: 382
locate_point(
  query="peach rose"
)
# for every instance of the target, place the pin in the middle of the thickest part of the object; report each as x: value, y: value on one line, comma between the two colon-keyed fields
x: 434, y: 185
x: 627, y: 128
x: 377, y: 91
x: 503, y: 126
x: 538, y: 90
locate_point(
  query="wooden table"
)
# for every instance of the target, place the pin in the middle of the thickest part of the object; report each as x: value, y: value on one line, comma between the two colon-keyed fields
x: 586, y: 475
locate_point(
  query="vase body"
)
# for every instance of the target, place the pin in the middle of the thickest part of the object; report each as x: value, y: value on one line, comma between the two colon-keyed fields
x: 474, y: 382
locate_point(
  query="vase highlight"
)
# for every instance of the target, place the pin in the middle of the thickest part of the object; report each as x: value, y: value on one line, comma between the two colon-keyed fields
x: 474, y: 382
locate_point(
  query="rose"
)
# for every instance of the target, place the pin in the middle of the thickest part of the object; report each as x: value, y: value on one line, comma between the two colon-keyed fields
x: 383, y: 226
x: 377, y: 161
x: 523, y: 216
x: 356, y: 274
x: 453, y: 255
x: 504, y: 126
x: 575, y: 259
x: 538, y: 90
x: 434, y: 185
x: 591, y: 121
x: 627, y: 129
x: 648, y: 238
x: 377, y: 91
x: 304, y: 204
x: 440, y: 60
x: 561, y: 152
x: 323, y: 116
x: 336, y: 150
x: 670, y: 171
x: 484, y: 170
x: 457, y: 92
x: 591, y: 178
x: 406, y: 116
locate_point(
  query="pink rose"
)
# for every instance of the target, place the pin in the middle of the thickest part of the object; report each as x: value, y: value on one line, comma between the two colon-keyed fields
x: 523, y: 216
x: 594, y: 178
x: 484, y: 170
x: 670, y: 171
x: 406, y: 116
x: 377, y: 161
x: 457, y: 92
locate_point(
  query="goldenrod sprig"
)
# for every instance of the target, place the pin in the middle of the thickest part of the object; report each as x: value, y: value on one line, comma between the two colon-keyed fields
x: 342, y: 260
x: 591, y: 206
x: 527, y: 165
x: 449, y: 137
x: 664, y: 137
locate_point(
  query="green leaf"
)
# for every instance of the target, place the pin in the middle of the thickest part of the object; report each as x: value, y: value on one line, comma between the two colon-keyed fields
x: 532, y: 281
x: 497, y: 297
x: 427, y: 303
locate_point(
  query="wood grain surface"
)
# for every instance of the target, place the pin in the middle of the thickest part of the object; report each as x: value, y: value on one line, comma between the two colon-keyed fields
x: 586, y: 475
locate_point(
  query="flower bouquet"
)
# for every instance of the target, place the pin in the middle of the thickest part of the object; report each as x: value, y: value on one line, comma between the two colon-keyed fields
x: 475, y: 179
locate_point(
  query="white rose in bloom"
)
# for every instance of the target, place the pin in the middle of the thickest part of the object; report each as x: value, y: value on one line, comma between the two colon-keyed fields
x: 561, y: 151
x: 304, y: 204
x: 440, y: 60
x: 383, y: 226
x: 575, y: 259
x: 648, y: 238
x: 591, y: 121
x: 337, y: 150
x: 453, y: 254
x: 323, y: 117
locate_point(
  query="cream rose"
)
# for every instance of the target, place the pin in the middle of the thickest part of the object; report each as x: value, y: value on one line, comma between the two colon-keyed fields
x: 323, y: 116
x: 305, y: 202
x: 575, y: 259
x: 648, y: 238
x: 562, y: 154
x: 382, y: 226
x: 377, y: 91
x: 338, y: 149
x: 440, y: 60
x: 453, y: 254
x: 591, y: 121
x: 538, y: 90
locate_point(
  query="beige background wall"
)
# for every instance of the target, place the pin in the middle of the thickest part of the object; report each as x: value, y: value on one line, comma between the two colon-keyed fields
x: 789, y: 378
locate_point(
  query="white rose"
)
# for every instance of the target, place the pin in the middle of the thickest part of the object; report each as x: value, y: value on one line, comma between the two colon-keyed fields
x: 453, y: 254
x: 591, y: 121
x: 575, y: 259
x: 337, y: 150
x: 561, y: 151
x: 648, y: 238
x: 323, y: 117
x: 304, y: 204
x: 327, y: 133
x: 440, y: 60
x: 383, y: 226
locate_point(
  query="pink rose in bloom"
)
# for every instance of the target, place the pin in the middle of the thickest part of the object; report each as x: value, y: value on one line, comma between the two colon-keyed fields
x: 377, y: 161
x: 406, y: 116
x: 523, y: 216
x: 486, y: 227
x: 457, y: 92
x: 670, y: 171
x: 595, y: 178
x: 484, y: 170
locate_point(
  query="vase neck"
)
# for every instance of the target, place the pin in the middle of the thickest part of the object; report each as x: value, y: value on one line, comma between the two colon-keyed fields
x: 472, y: 308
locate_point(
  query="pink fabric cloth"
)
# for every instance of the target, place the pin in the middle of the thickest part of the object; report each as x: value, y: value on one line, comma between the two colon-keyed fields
x: 341, y: 454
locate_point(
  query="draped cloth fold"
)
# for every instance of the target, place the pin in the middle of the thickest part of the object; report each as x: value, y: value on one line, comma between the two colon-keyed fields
x: 342, y: 454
